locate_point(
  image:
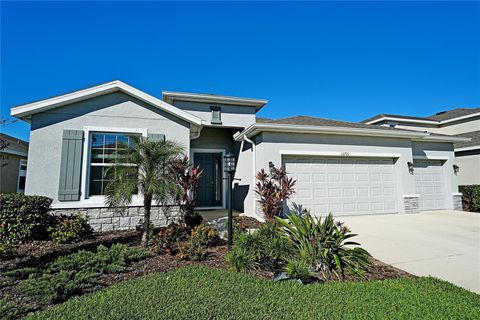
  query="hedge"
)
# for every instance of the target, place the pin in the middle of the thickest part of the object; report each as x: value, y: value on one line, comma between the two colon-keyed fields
x: 470, y: 197
x: 23, y: 218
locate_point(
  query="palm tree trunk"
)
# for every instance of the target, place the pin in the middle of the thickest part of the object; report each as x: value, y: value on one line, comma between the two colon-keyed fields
x: 147, y: 204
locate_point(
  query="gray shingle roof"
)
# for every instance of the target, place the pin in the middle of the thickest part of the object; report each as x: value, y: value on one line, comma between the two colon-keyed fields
x: 313, y: 121
x: 475, y: 136
x: 455, y: 113
x: 441, y: 116
x: 383, y: 115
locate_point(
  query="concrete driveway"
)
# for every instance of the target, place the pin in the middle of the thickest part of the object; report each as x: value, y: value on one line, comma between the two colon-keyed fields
x: 443, y: 244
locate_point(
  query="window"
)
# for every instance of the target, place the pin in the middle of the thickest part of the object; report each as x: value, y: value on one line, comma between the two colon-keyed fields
x: 105, y: 150
x: 22, y: 174
x: 216, y: 115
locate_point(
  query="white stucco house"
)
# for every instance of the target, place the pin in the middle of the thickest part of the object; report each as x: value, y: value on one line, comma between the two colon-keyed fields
x: 461, y: 122
x: 340, y: 167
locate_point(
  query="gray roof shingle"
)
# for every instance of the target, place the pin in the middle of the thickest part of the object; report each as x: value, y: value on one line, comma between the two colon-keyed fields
x: 455, y: 113
x: 475, y: 140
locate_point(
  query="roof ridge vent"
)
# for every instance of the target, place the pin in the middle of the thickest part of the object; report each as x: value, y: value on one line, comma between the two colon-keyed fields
x: 441, y: 112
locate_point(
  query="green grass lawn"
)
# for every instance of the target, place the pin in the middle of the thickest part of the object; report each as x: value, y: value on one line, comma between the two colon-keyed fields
x: 205, y: 293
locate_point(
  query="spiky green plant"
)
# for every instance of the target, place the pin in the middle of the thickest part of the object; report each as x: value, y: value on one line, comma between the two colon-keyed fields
x: 144, y: 169
x: 325, y: 245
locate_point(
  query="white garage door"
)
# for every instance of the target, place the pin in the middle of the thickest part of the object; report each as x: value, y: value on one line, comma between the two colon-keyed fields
x: 343, y: 186
x: 429, y: 184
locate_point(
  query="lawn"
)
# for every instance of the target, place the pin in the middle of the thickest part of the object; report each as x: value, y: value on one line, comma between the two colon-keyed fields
x: 206, y: 293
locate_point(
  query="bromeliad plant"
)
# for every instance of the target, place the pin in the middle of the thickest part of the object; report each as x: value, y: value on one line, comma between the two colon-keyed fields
x: 325, y: 246
x: 273, y: 189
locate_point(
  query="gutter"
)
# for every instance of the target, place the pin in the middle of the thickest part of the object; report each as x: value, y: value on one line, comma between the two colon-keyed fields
x: 256, y: 128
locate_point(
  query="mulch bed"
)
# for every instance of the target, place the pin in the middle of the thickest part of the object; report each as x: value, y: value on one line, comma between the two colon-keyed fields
x: 31, y: 254
x: 37, y: 252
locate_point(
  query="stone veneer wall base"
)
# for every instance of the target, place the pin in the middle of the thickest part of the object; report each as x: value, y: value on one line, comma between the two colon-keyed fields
x: 106, y: 219
x: 411, y: 204
x: 457, y: 202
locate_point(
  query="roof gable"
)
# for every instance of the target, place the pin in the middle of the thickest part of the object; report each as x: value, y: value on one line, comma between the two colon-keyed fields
x: 25, y: 111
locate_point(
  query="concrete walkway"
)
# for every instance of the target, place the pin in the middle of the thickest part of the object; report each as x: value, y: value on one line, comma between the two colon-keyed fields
x: 443, y: 244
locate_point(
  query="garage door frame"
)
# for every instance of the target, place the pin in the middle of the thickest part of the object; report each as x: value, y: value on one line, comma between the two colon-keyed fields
x: 286, y: 154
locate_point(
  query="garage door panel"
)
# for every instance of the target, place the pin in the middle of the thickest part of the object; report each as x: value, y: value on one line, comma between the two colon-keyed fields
x: 343, y: 186
x: 429, y: 184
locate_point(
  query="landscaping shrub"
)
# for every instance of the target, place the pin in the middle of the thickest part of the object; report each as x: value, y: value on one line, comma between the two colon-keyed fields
x: 167, y: 238
x: 7, y: 250
x: 325, y: 245
x: 70, y: 228
x: 241, y: 260
x: 72, y: 274
x: 273, y: 189
x: 23, y: 218
x: 470, y: 197
x: 201, y: 237
x: 298, y: 269
x: 10, y: 311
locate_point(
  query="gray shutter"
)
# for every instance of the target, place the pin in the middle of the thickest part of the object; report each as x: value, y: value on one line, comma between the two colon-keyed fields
x: 71, y: 165
x: 156, y: 137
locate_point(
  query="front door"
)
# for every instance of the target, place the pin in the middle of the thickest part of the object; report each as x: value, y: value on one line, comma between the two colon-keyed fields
x: 209, y: 191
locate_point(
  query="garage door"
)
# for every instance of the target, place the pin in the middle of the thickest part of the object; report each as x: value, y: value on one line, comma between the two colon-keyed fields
x: 343, y: 186
x: 429, y: 184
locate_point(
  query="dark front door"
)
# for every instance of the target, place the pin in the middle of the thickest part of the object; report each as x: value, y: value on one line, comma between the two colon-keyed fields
x: 209, y: 192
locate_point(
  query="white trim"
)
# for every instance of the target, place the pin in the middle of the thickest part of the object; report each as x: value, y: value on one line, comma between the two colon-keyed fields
x: 400, y: 119
x: 259, y: 127
x: 427, y: 157
x: 467, y: 149
x: 411, y: 196
x: 24, y: 111
x: 20, y: 163
x: 457, y: 194
x: 225, y: 182
x: 460, y: 118
x: 426, y: 121
x: 340, y: 154
x: 14, y: 152
x: 443, y: 138
x: 99, y: 200
x: 171, y: 96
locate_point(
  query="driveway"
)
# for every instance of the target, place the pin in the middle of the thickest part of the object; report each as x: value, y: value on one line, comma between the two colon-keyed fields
x: 443, y: 244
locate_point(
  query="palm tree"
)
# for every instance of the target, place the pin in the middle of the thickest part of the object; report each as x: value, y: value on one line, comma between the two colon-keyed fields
x: 143, y: 169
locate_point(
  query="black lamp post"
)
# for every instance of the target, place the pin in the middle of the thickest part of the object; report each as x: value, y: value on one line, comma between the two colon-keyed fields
x: 229, y: 167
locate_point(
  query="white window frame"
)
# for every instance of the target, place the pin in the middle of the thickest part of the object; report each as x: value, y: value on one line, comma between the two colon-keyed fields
x: 99, y: 200
x: 21, y: 162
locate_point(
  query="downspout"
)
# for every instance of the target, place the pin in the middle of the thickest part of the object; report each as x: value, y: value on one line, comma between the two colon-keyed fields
x: 245, y: 138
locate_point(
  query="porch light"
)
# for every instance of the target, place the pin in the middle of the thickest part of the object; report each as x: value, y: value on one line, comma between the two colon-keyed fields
x: 229, y: 167
x: 229, y: 163
x: 456, y: 168
x: 410, y: 166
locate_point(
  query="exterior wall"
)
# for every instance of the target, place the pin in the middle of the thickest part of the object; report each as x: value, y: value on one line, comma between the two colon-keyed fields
x: 232, y: 116
x: 104, y: 219
x: 270, y: 147
x: 463, y: 126
x: 444, y: 152
x: 243, y: 191
x: 214, y: 138
x: 9, y: 173
x: 451, y: 128
x: 112, y: 111
x: 469, y: 163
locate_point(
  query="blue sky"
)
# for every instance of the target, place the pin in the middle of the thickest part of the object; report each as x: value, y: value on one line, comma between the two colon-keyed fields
x: 345, y: 61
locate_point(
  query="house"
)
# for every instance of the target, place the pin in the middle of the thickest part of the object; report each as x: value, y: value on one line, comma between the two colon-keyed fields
x: 461, y: 122
x: 13, y: 164
x: 340, y: 167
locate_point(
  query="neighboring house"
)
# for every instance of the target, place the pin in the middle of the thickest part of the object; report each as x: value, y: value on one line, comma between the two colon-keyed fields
x: 13, y: 164
x: 462, y: 122
x: 340, y: 167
